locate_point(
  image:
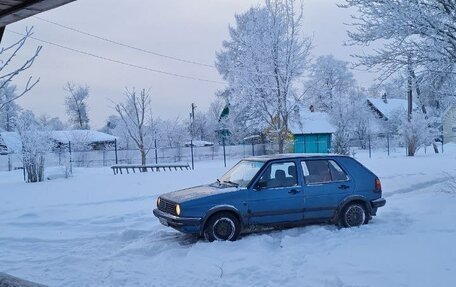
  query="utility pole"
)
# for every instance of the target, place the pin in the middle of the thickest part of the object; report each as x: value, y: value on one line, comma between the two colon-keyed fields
x: 192, y: 120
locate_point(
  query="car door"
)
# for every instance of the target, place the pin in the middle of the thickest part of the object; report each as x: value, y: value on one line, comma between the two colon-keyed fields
x: 326, y: 185
x: 277, y: 196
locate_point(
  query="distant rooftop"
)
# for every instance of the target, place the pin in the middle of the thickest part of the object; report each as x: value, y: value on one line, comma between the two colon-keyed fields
x: 81, y: 136
x: 388, y: 108
x: 13, y: 142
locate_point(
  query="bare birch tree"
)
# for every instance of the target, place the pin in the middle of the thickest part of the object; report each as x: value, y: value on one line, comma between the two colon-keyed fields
x: 136, y: 114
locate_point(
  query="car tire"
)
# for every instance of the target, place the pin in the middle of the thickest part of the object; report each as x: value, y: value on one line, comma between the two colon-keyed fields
x: 222, y: 226
x: 353, y: 215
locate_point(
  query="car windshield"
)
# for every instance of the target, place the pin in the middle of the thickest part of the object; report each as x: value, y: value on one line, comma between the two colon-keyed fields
x: 242, y: 173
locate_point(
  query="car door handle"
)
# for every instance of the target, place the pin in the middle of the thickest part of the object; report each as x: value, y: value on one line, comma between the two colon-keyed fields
x: 343, y: 186
x: 294, y: 191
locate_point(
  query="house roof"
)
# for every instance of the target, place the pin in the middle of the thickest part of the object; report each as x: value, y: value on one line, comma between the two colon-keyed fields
x: 81, y: 136
x: 14, y: 10
x: 13, y: 141
x: 311, y: 123
x: 390, y: 107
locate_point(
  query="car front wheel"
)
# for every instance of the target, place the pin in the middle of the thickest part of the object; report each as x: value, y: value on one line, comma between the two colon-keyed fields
x: 222, y: 226
x: 353, y: 215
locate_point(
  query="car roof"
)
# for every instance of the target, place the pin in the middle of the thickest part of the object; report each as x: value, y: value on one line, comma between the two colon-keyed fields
x: 265, y: 158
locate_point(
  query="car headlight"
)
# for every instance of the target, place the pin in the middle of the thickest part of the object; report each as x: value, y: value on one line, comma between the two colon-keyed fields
x: 158, y: 202
x: 178, y: 209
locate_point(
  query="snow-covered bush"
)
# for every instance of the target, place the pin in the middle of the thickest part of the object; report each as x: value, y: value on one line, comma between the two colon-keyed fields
x: 35, y: 144
x: 416, y: 132
x: 341, y: 141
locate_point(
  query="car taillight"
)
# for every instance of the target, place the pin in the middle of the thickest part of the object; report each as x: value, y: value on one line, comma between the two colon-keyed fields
x: 378, y: 185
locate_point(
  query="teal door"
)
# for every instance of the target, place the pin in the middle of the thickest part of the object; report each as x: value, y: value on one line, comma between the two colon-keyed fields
x: 312, y: 143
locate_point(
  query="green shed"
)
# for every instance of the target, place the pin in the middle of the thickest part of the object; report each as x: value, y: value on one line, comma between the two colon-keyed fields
x: 312, y: 133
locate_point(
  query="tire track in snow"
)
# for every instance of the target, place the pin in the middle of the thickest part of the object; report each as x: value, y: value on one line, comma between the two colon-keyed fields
x: 415, y: 187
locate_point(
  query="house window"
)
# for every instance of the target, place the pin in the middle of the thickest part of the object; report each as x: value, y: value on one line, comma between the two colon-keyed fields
x: 453, y: 129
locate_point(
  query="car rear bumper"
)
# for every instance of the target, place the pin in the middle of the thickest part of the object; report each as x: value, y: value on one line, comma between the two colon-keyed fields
x: 183, y: 224
x: 376, y: 203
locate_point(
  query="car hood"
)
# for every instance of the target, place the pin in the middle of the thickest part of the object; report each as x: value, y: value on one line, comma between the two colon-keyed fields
x: 196, y: 192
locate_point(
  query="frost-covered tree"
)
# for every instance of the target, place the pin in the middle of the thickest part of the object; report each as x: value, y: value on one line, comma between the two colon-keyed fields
x: 237, y: 122
x: 172, y: 133
x: 10, y: 110
x: 261, y: 62
x: 417, y: 32
x: 76, y: 105
x: 35, y: 144
x: 330, y: 80
x: 8, y: 73
x: 136, y: 115
x: 51, y: 123
x: 417, y: 37
x: 331, y: 88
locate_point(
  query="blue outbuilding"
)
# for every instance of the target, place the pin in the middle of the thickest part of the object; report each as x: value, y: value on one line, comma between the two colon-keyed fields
x: 312, y: 133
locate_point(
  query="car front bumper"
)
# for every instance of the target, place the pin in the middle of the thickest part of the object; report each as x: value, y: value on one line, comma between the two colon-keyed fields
x: 183, y: 224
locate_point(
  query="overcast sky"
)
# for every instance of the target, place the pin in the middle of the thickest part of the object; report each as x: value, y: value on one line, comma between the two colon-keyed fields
x: 192, y: 30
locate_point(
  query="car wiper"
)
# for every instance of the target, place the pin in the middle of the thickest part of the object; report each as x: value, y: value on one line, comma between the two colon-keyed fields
x: 232, y: 183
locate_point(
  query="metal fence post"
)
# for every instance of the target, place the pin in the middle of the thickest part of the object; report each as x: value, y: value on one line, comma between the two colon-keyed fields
x: 115, y: 151
x: 442, y: 143
x: 388, y: 143
x: 370, y: 149
x: 71, y: 161
x: 193, y: 160
x: 224, y: 152
x: 156, y: 152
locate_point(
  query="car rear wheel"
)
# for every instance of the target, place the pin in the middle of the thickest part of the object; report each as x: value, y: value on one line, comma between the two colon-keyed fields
x: 222, y: 226
x: 353, y: 215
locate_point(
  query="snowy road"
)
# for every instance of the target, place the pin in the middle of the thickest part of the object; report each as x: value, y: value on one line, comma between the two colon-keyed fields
x: 97, y: 229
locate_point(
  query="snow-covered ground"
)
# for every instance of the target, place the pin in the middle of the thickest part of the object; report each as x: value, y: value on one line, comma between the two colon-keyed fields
x: 97, y: 229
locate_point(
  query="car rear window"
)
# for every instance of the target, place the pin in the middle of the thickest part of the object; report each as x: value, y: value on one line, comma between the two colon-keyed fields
x: 322, y: 171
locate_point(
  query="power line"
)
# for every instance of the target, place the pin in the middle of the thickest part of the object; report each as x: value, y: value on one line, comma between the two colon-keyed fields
x: 133, y: 47
x: 117, y: 61
x: 124, y: 45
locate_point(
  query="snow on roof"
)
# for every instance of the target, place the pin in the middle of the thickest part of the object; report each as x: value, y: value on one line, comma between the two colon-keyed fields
x: 81, y: 136
x: 311, y: 123
x: 391, y: 106
x: 12, y: 141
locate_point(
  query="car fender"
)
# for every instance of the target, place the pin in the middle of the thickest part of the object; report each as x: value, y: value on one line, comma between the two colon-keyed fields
x: 218, y: 208
x: 352, y: 198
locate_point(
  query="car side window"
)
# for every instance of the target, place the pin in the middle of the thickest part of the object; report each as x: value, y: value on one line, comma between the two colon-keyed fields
x: 337, y: 173
x: 281, y: 174
x: 322, y: 171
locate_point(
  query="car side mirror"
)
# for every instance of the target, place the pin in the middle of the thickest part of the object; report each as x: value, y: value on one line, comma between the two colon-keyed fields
x: 261, y: 184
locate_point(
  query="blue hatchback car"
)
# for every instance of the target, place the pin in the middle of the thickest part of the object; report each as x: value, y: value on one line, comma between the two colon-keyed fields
x: 275, y: 191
